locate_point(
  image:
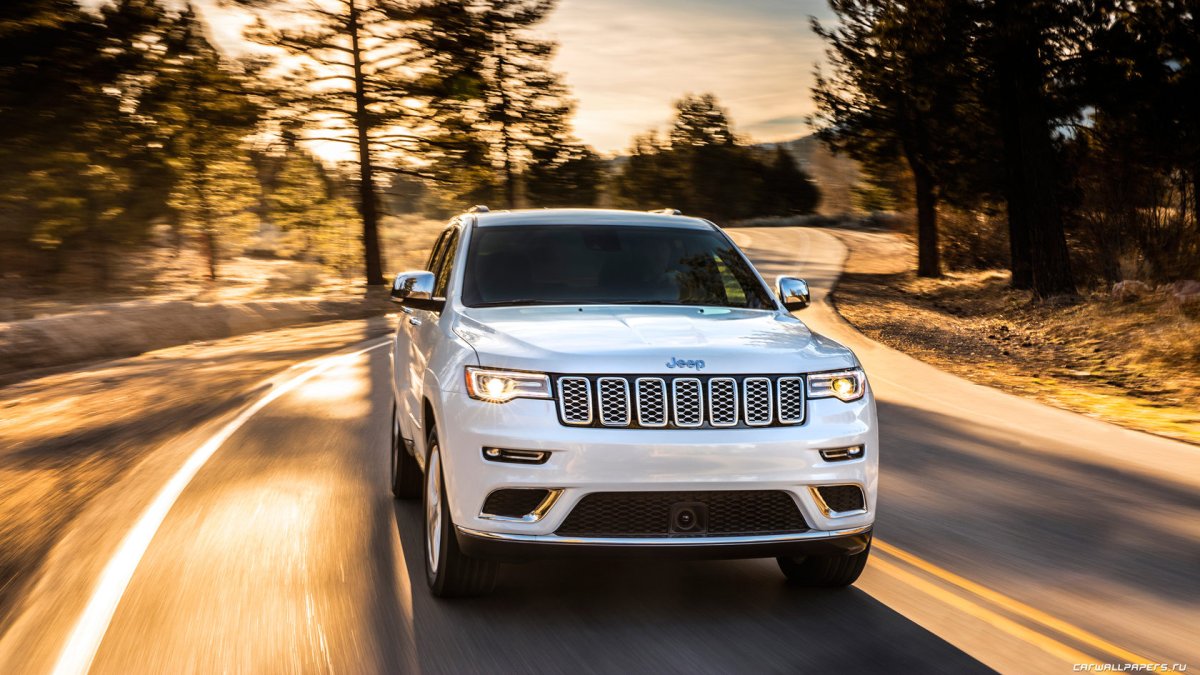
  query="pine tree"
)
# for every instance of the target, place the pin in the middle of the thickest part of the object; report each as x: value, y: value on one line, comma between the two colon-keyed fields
x: 305, y: 201
x: 787, y: 189
x: 351, y: 88
x: 78, y: 169
x: 899, y: 74
x: 204, y: 111
x: 705, y: 171
x: 1031, y: 62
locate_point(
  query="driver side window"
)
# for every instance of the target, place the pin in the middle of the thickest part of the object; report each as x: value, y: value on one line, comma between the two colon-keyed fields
x: 445, y: 265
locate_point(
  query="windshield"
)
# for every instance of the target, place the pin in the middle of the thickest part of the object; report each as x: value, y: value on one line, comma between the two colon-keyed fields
x: 607, y: 264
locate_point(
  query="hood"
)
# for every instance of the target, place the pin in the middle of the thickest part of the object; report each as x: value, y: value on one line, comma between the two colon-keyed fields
x: 647, y: 340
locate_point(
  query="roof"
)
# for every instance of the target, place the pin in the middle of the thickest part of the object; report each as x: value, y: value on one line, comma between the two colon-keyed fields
x: 587, y: 217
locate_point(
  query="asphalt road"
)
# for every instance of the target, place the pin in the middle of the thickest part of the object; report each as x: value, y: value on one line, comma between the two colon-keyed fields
x: 1011, y: 536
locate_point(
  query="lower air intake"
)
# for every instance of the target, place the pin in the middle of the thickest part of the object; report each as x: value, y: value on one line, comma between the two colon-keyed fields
x: 841, y: 498
x: 729, y: 513
x: 513, y: 502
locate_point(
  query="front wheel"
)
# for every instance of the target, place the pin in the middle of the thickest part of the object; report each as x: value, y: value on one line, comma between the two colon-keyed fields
x: 406, y: 474
x: 825, y: 571
x: 450, y: 572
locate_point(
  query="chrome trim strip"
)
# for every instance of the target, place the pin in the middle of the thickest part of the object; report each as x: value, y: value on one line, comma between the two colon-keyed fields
x: 803, y: 400
x: 562, y: 404
x: 746, y: 401
x: 662, y: 393
x: 604, y: 419
x: 830, y: 513
x: 533, y: 516
x: 699, y: 402
x: 810, y: 535
x: 711, y: 417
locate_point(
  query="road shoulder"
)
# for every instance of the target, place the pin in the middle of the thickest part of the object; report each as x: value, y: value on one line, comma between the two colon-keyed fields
x: 1076, y: 358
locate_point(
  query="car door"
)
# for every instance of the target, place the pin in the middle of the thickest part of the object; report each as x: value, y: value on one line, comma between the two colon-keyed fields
x: 408, y: 366
x: 424, y: 325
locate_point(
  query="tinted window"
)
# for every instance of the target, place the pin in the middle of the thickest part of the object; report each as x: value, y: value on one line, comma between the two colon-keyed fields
x: 607, y: 264
x: 436, y: 252
x: 446, y: 265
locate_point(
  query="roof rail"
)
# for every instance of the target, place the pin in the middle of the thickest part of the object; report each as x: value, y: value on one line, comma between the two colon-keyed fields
x: 478, y: 208
x: 667, y: 212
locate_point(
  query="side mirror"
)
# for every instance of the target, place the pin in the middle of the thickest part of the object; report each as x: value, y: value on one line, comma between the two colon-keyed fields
x: 793, y: 293
x: 415, y: 289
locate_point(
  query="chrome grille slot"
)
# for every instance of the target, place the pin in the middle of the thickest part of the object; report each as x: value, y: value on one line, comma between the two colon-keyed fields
x: 651, y: 401
x: 687, y: 401
x: 756, y: 401
x: 575, y: 400
x: 791, y: 399
x: 614, y: 401
x: 722, y: 402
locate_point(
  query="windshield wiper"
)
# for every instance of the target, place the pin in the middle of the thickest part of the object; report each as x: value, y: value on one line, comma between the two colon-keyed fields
x: 517, y: 302
x: 670, y: 303
x: 527, y: 302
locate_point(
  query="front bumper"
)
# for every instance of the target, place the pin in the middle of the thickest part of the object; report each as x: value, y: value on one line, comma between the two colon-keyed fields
x: 587, y: 460
x: 520, y: 547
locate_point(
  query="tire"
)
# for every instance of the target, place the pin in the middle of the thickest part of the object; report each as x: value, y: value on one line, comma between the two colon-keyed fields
x: 450, y: 573
x: 405, y: 472
x: 825, y: 571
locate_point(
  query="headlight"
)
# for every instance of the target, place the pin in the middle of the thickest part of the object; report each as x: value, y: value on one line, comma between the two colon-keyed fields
x: 847, y: 385
x: 502, y: 386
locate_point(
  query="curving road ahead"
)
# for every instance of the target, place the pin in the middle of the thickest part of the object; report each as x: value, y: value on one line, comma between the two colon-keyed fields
x: 263, y: 539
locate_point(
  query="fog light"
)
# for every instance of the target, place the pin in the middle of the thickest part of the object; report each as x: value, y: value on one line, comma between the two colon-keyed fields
x: 842, y: 454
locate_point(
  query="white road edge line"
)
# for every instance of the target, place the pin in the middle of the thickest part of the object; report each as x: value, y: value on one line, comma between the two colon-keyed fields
x: 80, y: 650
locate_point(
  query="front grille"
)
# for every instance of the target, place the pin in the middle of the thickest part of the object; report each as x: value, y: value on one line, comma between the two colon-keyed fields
x: 614, y: 401
x: 722, y: 402
x: 648, y: 514
x: 687, y: 403
x: 513, y: 502
x: 841, y: 498
x: 652, y: 402
x: 791, y: 399
x: 692, y: 402
x: 575, y: 400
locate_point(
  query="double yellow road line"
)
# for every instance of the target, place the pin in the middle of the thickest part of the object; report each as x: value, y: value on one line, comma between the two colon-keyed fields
x: 924, y: 576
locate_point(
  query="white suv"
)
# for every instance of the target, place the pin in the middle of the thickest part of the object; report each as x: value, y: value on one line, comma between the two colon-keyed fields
x: 615, y: 382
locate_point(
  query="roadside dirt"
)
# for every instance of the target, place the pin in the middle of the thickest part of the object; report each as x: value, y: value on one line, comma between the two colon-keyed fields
x: 66, y: 438
x: 1136, y: 364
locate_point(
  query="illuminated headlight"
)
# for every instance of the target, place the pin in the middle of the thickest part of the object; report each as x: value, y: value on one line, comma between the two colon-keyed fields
x: 847, y: 385
x: 502, y: 386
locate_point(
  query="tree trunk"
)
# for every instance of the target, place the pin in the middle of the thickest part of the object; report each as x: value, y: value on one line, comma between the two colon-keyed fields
x: 368, y: 205
x: 1196, y: 195
x: 210, y: 241
x: 928, y: 257
x: 207, y: 225
x: 506, y: 142
x: 98, y: 239
x: 1037, y: 236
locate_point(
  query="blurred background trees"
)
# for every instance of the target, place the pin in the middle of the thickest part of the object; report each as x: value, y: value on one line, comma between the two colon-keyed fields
x: 1070, y: 123
x: 703, y: 169
x: 1058, y: 137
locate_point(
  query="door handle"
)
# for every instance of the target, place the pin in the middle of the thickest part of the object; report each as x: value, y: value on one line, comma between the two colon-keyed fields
x: 414, y: 321
x: 406, y: 310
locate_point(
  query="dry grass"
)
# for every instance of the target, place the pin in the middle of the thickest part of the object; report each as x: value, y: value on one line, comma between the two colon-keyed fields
x: 1136, y: 364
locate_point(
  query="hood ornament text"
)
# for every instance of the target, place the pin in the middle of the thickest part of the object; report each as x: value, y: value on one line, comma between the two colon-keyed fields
x: 697, y: 364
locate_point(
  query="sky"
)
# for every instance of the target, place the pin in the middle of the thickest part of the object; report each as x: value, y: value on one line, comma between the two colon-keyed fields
x: 627, y: 61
